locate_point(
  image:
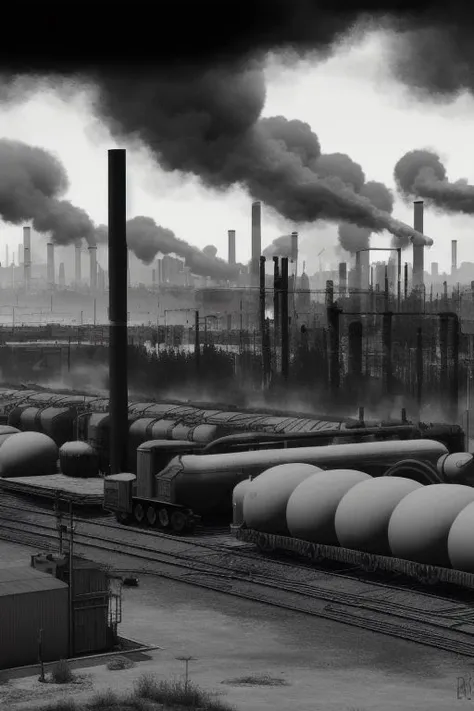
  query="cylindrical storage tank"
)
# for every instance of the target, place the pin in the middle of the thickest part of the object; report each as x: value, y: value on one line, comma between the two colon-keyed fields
x: 203, y: 434
x: 312, y: 506
x: 461, y: 535
x: 363, y: 514
x: 58, y: 423
x: 8, y: 429
x: 419, y: 526
x: 162, y: 429
x: 78, y: 459
x: 238, y: 496
x: 28, y: 454
x: 14, y: 417
x: 181, y: 432
x: 264, y: 505
x: 29, y: 419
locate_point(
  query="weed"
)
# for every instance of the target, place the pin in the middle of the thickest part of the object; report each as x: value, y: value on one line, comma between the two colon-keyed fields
x: 62, y: 673
x: 118, y: 663
x: 256, y: 680
x: 178, y: 693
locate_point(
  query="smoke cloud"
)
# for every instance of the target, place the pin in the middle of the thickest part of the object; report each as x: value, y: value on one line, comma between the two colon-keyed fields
x: 353, y: 238
x: 420, y: 174
x: 280, y: 247
x: 210, y: 251
x: 146, y: 239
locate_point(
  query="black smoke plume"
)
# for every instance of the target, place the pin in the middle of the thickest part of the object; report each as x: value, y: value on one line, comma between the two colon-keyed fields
x: 420, y: 174
x: 280, y: 247
x: 353, y: 238
x: 31, y: 181
x: 210, y: 251
x: 146, y: 239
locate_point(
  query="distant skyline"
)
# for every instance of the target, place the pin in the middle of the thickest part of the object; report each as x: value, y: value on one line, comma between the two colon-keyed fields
x: 349, y: 101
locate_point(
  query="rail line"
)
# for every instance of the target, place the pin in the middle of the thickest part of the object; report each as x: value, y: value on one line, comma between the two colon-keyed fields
x: 230, y: 570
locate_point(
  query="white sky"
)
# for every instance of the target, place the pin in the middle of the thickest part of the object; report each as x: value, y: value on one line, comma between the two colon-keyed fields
x: 349, y: 101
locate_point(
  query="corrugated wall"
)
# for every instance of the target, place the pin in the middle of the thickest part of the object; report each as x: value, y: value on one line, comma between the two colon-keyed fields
x: 21, y: 618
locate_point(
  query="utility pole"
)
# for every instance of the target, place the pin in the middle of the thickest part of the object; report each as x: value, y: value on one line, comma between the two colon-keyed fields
x: 71, y: 580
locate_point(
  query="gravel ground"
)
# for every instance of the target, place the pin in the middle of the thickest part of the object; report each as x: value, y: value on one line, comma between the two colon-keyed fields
x: 326, y: 665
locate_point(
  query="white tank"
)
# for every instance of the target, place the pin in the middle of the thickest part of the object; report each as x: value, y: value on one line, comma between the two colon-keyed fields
x: 28, y: 454
x: 419, y: 526
x: 312, y: 505
x: 238, y: 496
x: 265, y: 501
x: 460, y: 538
x: 363, y: 514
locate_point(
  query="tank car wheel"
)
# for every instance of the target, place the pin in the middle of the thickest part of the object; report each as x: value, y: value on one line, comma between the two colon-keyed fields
x: 151, y: 516
x: 163, y: 518
x: 138, y: 513
x: 178, y: 521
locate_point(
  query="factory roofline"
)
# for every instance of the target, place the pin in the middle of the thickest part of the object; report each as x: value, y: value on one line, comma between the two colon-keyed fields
x: 19, y: 580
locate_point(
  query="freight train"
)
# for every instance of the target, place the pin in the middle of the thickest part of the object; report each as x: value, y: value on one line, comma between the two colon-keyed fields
x: 392, y: 523
x: 199, y: 486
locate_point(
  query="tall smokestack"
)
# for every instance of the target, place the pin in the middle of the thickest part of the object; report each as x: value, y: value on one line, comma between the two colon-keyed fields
x: 418, y: 250
x: 342, y: 278
x: 118, y: 345
x: 93, y: 267
x: 454, y: 257
x: 27, y: 256
x: 294, y: 252
x: 78, y: 265
x: 62, y: 275
x: 20, y: 255
x: 256, y: 242
x: 434, y: 269
x: 231, y: 236
x: 7, y: 256
x: 50, y: 271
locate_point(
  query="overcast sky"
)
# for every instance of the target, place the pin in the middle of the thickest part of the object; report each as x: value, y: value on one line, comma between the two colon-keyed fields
x: 349, y: 101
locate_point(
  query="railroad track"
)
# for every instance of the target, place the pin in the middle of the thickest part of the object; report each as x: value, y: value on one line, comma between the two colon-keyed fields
x: 213, y: 561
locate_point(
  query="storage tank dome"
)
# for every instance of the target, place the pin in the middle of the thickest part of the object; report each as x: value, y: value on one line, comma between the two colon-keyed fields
x: 461, y: 535
x: 28, y: 454
x: 312, y: 505
x: 419, y: 526
x: 265, y: 502
x: 78, y: 459
x: 4, y: 437
x: 8, y: 429
x: 363, y: 513
x: 238, y: 496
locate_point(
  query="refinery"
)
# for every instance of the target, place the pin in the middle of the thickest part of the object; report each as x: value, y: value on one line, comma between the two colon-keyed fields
x: 192, y: 444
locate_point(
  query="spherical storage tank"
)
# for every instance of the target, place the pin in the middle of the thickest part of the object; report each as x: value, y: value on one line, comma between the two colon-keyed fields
x: 363, y: 514
x: 238, y: 496
x: 265, y: 501
x: 28, y: 454
x: 312, y: 505
x: 460, y: 538
x: 78, y: 459
x: 419, y: 526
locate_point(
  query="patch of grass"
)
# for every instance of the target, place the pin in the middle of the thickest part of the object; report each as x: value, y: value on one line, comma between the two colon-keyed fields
x: 178, y: 693
x: 63, y: 705
x: 118, y: 663
x: 62, y: 673
x: 256, y: 680
x: 104, y: 701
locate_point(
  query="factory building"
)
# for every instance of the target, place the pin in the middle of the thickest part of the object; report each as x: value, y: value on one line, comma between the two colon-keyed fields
x: 30, y: 601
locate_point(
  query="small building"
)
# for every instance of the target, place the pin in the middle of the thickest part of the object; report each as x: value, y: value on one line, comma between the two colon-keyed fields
x: 30, y: 601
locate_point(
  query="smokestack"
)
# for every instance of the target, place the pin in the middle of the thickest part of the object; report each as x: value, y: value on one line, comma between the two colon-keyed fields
x: 343, y: 278
x: 50, y: 265
x: 62, y: 275
x: 454, y: 256
x: 7, y: 256
x: 418, y: 250
x: 256, y: 242
x: 294, y: 252
x: 26, y: 256
x: 78, y: 265
x: 231, y: 236
x: 434, y: 269
x: 118, y: 344
x: 93, y: 267
x: 20, y: 255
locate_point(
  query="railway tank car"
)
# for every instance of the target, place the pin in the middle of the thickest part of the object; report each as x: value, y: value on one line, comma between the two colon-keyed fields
x: 200, y: 485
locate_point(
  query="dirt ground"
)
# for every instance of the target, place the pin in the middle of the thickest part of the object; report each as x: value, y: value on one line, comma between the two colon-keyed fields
x: 324, y: 665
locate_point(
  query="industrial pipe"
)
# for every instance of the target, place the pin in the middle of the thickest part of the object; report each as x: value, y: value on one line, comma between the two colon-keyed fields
x: 276, y: 299
x: 256, y: 241
x: 418, y: 249
x: 285, y: 333
x: 118, y: 345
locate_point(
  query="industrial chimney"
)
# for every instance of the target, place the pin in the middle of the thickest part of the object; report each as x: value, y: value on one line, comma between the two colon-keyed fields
x: 27, y: 256
x: 343, y: 278
x: 62, y: 275
x: 294, y: 252
x: 50, y: 271
x: 78, y: 265
x: 231, y: 236
x: 256, y: 242
x: 434, y: 269
x: 93, y: 267
x: 7, y: 257
x: 454, y: 257
x: 418, y: 250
